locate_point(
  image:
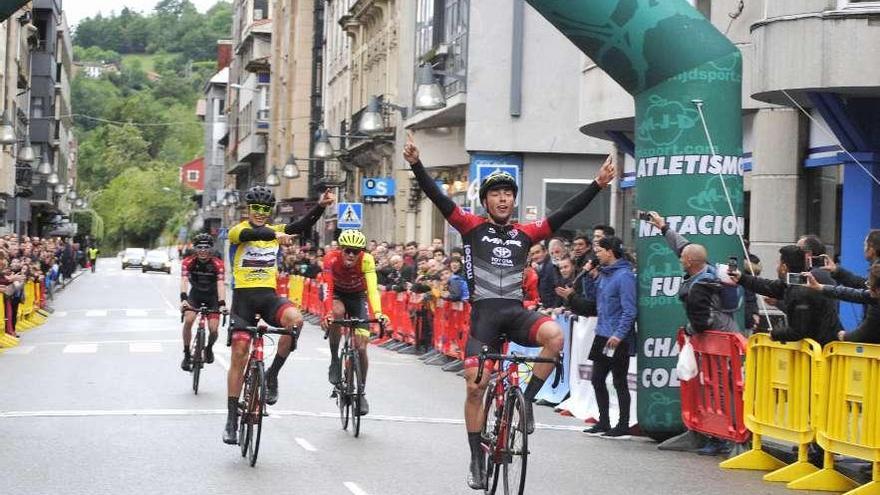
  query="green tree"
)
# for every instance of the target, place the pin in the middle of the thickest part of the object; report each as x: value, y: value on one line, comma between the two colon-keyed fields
x: 94, y: 98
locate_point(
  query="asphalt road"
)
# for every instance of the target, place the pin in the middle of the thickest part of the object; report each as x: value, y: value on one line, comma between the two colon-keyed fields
x: 94, y: 402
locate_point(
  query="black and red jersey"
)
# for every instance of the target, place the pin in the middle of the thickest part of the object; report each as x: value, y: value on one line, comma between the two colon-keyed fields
x: 203, y: 275
x: 496, y: 256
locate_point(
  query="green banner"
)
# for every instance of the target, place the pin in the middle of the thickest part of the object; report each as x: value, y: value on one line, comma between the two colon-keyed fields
x: 674, y: 62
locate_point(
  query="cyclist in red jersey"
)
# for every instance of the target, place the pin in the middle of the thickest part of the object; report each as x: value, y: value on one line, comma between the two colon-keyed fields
x: 495, y: 256
x: 203, y: 274
x: 350, y: 278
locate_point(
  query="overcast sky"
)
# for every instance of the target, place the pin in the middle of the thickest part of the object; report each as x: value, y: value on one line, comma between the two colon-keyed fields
x: 77, y: 10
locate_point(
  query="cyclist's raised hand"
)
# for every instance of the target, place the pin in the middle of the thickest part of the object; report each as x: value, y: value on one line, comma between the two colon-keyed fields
x: 283, y: 239
x: 327, y: 198
x: 410, y: 150
x: 606, y: 173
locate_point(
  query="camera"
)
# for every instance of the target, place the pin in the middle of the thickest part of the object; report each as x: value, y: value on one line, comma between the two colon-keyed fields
x: 644, y: 215
x: 796, y: 279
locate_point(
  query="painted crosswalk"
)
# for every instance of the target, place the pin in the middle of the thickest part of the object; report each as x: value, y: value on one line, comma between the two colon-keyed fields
x: 143, y: 347
x: 80, y: 349
x: 96, y: 313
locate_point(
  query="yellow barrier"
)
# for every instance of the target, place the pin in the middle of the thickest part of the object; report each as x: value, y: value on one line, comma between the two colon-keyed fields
x: 781, y: 402
x: 33, y: 299
x: 852, y: 420
x: 295, y: 290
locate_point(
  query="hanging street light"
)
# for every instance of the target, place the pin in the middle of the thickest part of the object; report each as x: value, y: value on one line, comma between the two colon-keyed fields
x: 7, y: 131
x: 371, y: 120
x: 290, y: 170
x: 272, y: 179
x: 323, y: 148
x: 429, y: 94
x: 26, y: 153
x: 44, y: 168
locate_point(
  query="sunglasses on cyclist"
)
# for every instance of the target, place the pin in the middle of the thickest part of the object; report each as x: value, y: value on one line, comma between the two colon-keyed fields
x: 260, y: 209
x: 203, y: 248
x: 352, y: 251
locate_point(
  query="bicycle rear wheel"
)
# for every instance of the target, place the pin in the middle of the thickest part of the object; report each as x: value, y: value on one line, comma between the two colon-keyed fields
x: 489, y: 436
x: 256, y: 411
x: 516, y: 446
x: 198, y: 358
x: 357, y: 393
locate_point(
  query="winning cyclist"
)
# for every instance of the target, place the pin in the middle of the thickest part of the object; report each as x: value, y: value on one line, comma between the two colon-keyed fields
x: 496, y: 254
x: 254, y: 251
x: 203, y: 272
x: 350, y: 275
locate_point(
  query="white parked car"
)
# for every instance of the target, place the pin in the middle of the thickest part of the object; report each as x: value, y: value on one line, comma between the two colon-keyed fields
x: 157, y: 261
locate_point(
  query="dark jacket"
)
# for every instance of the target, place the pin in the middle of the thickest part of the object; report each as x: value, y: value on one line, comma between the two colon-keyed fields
x: 583, y: 301
x: 548, y: 275
x: 868, y: 331
x: 700, y: 294
x: 810, y: 315
x: 394, y: 279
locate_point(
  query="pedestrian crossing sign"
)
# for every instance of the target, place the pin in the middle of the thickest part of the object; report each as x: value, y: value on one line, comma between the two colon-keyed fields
x: 350, y: 215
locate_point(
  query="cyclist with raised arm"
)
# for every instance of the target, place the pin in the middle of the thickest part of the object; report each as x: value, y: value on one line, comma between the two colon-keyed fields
x: 201, y: 282
x: 350, y: 278
x: 495, y: 256
x: 254, y: 249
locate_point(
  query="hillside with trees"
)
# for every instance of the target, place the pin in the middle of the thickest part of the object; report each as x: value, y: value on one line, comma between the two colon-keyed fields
x: 136, y: 125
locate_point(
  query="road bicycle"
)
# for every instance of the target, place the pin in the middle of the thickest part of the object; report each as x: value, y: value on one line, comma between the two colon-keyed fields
x: 197, y: 345
x: 504, y: 436
x: 349, y: 391
x: 252, y: 399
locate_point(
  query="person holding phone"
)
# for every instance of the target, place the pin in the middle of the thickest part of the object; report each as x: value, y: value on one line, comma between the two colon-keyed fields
x: 808, y: 314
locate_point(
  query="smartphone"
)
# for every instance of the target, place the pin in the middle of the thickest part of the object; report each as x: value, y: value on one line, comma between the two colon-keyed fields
x: 796, y: 279
x: 644, y: 215
x: 817, y: 261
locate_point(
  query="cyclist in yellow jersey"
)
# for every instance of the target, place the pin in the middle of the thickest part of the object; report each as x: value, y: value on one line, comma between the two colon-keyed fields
x: 254, y: 246
x: 350, y: 278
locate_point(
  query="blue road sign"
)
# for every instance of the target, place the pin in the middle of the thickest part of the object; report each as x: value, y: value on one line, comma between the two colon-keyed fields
x: 350, y: 215
x: 377, y: 186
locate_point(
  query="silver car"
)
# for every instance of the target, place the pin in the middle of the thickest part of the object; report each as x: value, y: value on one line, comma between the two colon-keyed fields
x: 133, y: 257
x: 157, y: 261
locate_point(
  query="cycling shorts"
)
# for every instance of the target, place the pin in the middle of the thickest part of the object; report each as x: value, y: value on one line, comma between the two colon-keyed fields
x: 248, y: 303
x: 355, y: 305
x: 197, y: 298
x: 494, y: 321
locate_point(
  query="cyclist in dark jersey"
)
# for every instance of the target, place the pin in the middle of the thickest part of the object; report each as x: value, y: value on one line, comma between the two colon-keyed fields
x: 495, y: 256
x: 203, y: 272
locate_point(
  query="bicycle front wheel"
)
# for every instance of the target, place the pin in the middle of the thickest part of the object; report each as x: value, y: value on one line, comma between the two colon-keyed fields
x: 256, y: 411
x: 357, y: 393
x: 343, y: 392
x: 516, y: 446
x: 489, y: 437
x: 244, y: 429
x: 198, y: 358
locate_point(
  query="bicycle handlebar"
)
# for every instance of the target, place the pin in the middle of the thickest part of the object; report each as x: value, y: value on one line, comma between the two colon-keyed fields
x: 268, y: 330
x: 351, y: 322
x: 204, y: 311
x: 514, y: 358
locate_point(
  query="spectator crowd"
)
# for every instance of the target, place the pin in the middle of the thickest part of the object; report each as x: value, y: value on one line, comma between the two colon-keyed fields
x: 46, y: 261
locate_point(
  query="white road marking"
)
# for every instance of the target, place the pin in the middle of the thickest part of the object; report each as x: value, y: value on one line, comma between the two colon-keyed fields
x: 22, y: 349
x: 96, y: 312
x: 135, y: 313
x: 306, y: 445
x: 204, y: 412
x: 353, y: 488
x: 99, y: 342
x: 80, y: 349
x: 172, y: 312
x: 323, y: 350
x: 138, y: 347
x: 59, y: 314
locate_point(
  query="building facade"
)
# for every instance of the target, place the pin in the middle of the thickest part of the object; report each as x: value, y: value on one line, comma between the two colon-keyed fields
x: 290, y: 131
x: 248, y: 96
x: 17, y: 39
x: 212, y: 110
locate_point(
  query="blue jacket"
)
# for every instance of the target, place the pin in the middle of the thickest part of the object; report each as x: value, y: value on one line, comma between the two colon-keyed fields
x: 616, y: 301
x: 458, y: 288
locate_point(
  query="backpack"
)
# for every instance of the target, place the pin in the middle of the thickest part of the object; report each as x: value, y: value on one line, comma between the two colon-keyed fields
x: 730, y: 296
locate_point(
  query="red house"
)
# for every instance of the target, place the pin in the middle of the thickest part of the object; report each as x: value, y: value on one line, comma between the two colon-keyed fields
x: 192, y: 174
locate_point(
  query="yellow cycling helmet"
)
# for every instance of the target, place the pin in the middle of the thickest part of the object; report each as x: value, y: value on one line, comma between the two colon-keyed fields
x: 353, y: 239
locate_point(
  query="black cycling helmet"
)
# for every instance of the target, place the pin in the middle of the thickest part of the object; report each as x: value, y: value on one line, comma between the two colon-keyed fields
x: 260, y: 195
x: 496, y: 180
x: 203, y: 240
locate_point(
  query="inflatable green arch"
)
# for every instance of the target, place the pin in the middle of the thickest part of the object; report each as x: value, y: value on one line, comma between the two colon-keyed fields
x: 674, y: 63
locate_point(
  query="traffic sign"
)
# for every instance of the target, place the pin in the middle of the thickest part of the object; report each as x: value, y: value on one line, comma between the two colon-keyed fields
x: 378, y: 186
x: 349, y: 215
